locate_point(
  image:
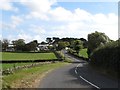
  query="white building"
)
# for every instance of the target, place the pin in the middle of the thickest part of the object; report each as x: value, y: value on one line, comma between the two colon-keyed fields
x: 10, y: 47
x: 43, y: 47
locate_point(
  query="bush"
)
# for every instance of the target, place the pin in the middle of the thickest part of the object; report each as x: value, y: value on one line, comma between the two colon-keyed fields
x: 59, y: 55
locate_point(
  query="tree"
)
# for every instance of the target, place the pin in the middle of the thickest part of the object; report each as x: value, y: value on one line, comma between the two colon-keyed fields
x: 49, y: 40
x: 43, y: 42
x: 32, y: 45
x: 62, y: 45
x: 5, y: 44
x: 95, y: 40
x: 19, y: 44
x: 56, y: 39
x: 51, y: 48
x: 85, y: 43
x: 0, y: 45
x: 77, y: 45
x: 35, y: 42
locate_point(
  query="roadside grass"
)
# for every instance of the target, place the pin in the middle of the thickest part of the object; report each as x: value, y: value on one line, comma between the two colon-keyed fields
x: 12, y: 65
x: 27, y: 56
x: 30, y: 77
x: 65, y: 58
x: 69, y: 60
x: 83, y: 53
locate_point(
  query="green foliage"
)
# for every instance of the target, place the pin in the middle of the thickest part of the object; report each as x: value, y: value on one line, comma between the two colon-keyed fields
x: 62, y: 45
x: 49, y: 40
x: 84, y: 42
x: 71, y: 51
x: 31, y: 46
x: 59, y: 54
x: 51, y: 48
x: 77, y: 45
x: 96, y: 40
x: 107, y: 56
x: 19, y: 44
x: 5, y: 44
x: 83, y: 53
x: 69, y: 60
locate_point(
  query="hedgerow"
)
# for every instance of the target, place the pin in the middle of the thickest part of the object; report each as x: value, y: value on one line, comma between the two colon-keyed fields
x: 107, y: 56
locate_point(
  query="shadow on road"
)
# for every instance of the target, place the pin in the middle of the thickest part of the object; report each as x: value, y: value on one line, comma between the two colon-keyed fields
x: 78, y: 81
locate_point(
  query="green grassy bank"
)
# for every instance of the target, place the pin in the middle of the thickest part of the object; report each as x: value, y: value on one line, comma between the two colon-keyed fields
x: 27, y: 56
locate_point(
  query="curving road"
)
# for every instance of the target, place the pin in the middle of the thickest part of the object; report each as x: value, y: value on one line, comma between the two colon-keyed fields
x: 77, y: 75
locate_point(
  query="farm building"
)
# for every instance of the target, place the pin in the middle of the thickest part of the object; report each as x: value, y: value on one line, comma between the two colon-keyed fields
x: 42, y: 47
x: 10, y: 47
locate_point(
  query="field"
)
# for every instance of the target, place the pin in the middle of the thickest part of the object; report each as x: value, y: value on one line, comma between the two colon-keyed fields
x: 27, y: 56
x: 27, y: 78
x: 83, y: 53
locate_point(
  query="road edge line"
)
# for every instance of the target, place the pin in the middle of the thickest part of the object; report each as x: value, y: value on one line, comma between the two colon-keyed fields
x: 89, y: 82
x: 86, y: 79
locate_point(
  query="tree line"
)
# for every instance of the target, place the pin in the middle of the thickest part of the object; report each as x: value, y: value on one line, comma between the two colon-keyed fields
x: 19, y: 45
x: 72, y: 43
x: 54, y: 43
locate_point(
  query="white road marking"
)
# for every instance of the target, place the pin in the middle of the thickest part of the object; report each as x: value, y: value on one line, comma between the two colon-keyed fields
x: 81, y: 65
x: 89, y: 82
x: 78, y: 65
x: 85, y: 79
x: 75, y: 71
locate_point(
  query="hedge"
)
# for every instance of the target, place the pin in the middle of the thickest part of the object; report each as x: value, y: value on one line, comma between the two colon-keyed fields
x: 107, y: 56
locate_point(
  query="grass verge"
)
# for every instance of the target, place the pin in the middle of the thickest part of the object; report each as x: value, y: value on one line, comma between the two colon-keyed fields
x: 83, y: 53
x: 29, y: 78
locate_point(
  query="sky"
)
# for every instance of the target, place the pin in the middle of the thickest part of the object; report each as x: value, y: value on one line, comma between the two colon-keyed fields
x: 39, y: 19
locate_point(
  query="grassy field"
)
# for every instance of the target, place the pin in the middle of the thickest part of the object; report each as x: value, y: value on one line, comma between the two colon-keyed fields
x: 83, y: 53
x: 27, y: 56
x: 27, y: 78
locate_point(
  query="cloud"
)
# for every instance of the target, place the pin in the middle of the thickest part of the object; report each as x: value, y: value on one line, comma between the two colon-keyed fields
x: 7, y: 5
x: 33, y: 32
x: 76, y: 23
x: 37, y: 15
x: 28, y: 38
x: 87, y: 23
x: 15, y: 21
x: 60, y: 14
x: 38, y: 8
x: 37, y: 29
x: 80, y: 23
x: 37, y: 5
x: 23, y: 35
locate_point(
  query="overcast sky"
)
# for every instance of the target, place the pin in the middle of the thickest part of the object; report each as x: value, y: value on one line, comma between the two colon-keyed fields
x: 38, y: 19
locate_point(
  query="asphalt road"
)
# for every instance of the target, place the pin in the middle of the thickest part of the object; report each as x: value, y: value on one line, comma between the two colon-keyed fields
x: 77, y: 75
